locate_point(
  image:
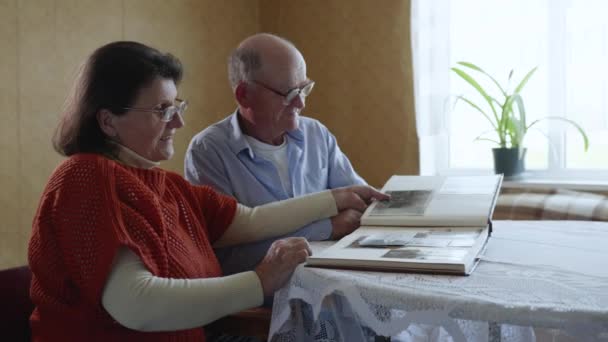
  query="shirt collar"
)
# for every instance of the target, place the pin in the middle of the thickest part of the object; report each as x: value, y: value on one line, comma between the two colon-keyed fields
x: 238, y: 142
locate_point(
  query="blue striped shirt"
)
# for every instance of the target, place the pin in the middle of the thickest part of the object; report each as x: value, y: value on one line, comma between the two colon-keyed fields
x: 220, y: 156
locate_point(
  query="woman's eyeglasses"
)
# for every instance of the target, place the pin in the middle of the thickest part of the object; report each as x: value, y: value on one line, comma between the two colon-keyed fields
x: 168, y: 113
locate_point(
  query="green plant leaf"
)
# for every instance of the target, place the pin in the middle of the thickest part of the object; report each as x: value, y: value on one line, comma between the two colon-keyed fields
x: 512, y: 127
x: 476, y: 68
x: 479, y: 138
x: 559, y: 118
x: 505, y: 111
x: 524, y: 81
x: 520, y: 124
x: 512, y: 123
x: 477, y: 87
x: 506, y: 126
x: 519, y: 100
x: 497, y: 103
x: 472, y: 104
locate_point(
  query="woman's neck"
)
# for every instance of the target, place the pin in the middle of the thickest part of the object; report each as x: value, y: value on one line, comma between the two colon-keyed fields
x: 129, y: 157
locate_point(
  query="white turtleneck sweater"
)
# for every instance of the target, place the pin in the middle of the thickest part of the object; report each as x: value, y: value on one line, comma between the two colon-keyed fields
x: 139, y: 300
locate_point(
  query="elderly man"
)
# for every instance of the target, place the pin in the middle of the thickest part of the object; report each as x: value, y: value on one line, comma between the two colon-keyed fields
x: 265, y: 151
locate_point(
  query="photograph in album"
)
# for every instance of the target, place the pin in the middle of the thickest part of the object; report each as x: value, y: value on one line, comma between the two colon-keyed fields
x: 412, y: 202
x: 431, y: 224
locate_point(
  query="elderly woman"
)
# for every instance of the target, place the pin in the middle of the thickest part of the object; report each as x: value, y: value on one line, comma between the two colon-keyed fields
x: 121, y: 249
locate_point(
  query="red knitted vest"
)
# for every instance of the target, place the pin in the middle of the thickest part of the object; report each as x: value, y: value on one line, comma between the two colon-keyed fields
x: 90, y: 207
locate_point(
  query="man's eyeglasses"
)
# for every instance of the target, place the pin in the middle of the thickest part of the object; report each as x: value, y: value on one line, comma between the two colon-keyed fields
x: 291, y: 94
x: 168, y: 113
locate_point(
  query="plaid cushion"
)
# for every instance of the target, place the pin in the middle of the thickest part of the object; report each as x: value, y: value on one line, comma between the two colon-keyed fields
x: 551, y: 204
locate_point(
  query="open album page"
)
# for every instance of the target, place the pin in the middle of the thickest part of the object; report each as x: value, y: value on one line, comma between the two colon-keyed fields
x: 441, y: 249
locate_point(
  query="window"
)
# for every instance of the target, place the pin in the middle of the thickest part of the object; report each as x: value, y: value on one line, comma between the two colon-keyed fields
x: 566, y: 39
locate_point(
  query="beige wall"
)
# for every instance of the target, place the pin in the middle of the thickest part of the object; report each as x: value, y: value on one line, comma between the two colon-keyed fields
x: 43, y: 42
x: 357, y: 51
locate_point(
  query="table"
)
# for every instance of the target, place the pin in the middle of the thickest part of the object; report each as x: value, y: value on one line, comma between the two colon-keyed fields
x: 540, y: 274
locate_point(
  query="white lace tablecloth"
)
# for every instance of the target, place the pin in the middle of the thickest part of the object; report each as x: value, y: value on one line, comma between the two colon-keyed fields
x: 543, y: 274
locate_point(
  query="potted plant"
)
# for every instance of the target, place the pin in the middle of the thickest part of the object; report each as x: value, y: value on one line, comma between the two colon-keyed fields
x: 507, y: 115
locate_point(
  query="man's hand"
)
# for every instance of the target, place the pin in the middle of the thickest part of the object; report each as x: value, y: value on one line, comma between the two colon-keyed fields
x: 356, y: 197
x: 344, y: 223
x: 280, y: 261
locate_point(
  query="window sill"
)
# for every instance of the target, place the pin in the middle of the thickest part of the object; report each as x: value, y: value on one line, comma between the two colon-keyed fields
x: 571, y: 184
x: 583, y: 181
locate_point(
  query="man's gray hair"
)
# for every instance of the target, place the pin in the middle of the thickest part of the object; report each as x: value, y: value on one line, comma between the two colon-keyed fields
x: 243, y: 63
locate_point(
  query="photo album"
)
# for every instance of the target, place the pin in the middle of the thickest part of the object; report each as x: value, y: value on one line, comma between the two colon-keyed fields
x: 431, y: 224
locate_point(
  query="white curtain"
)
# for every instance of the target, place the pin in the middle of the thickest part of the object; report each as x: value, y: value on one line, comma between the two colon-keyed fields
x: 566, y: 39
x: 430, y: 51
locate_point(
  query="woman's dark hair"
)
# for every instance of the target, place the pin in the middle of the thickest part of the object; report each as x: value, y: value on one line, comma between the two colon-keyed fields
x: 111, y: 79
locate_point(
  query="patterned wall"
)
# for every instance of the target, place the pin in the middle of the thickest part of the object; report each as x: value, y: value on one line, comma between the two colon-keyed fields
x: 43, y: 42
x: 358, y: 52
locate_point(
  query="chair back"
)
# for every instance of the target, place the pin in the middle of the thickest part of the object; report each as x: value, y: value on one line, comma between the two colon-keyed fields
x: 15, y: 303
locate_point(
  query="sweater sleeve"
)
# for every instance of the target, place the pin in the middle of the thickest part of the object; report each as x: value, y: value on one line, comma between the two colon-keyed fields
x: 141, y: 301
x: 277, y: 218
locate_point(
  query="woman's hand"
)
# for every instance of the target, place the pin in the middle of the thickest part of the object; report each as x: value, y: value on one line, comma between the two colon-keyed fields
x: 280, y: 261
x: 345, y: 223
x: 356, y: 197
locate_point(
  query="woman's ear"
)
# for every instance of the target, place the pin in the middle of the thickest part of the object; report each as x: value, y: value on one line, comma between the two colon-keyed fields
x: 106, y: 121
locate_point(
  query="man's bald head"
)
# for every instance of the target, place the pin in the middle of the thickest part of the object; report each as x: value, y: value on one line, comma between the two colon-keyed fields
x: 262, y: 54
x: 264, y: 69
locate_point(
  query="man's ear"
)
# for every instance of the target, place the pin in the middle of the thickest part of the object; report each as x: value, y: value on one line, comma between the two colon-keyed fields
x: 106, y: 121
x: 242, y: 94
